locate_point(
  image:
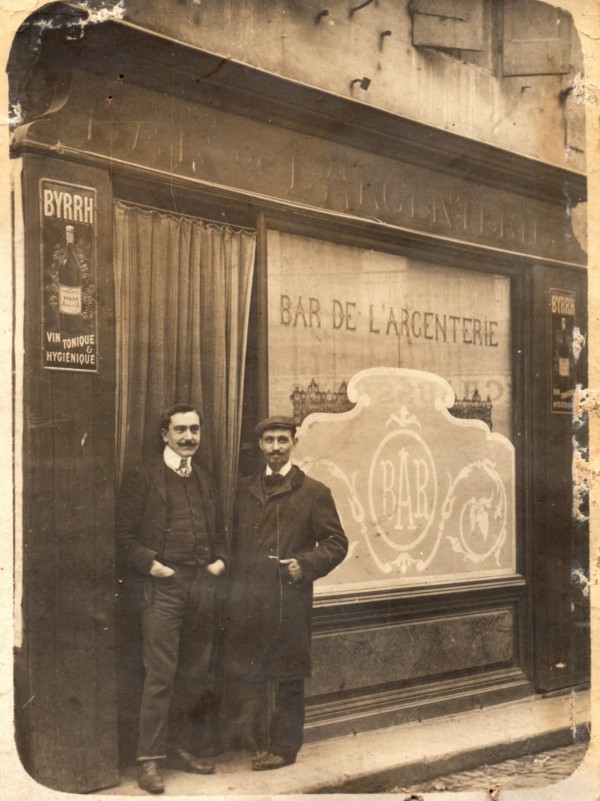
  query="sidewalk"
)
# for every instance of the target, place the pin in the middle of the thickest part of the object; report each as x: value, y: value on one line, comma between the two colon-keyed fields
x: 399, y: 756
x: 534, y: 770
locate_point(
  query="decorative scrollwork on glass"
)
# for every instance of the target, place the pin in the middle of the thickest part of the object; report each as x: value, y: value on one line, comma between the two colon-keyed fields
x: 480, y: 522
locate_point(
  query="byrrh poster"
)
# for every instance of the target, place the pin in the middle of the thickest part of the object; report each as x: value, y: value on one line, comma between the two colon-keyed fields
x: 68, y: 261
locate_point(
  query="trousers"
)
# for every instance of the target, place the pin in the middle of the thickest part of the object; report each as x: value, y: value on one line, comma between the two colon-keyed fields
x: 178, y: 646
x: 281, y: 732
x: 287, y: 719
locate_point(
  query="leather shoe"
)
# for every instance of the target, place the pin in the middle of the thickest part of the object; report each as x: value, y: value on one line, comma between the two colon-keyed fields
x: 181, y: 759
x: 149, y: 778
x: 271, y: 762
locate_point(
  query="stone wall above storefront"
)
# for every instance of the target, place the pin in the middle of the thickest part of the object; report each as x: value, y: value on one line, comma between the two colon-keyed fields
x: 509, y: 77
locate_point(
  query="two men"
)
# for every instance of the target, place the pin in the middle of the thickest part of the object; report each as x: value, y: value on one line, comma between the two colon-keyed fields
x: 287, y: 533
x: 169, y: 531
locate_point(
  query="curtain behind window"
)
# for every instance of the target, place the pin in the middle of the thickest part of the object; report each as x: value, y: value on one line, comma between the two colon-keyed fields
x: 182, y: 305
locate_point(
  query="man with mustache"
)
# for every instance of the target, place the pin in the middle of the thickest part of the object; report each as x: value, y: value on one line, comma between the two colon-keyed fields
x: 287, y: 533
x: 168, y: 530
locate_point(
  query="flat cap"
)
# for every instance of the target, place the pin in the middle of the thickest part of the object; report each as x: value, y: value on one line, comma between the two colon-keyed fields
x: 278, y: 421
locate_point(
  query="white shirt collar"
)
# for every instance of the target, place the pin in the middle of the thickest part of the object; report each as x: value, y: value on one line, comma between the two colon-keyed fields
x: 173, y: 460
x: 283, y: 472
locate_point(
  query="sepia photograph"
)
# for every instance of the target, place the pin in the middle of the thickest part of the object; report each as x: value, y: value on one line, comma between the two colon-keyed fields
x: 299, y: 354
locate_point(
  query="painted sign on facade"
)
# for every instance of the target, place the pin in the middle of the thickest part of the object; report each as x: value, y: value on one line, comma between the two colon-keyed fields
x: 335, y: 310
x: 424, y: 497
x: 68, y: 224
x: 256, y: 156
x: 562, y: 321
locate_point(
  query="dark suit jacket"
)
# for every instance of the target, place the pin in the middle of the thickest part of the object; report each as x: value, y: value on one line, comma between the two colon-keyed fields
x: 141, y: 518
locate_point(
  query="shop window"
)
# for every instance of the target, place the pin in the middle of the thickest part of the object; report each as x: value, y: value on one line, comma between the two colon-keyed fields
x: 424, y: 497
x: 335, y: 310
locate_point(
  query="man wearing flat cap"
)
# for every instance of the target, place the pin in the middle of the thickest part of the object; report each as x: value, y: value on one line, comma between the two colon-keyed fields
x: 287, y: 533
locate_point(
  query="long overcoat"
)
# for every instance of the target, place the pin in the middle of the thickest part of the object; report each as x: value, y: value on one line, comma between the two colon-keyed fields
x: 268, y: 617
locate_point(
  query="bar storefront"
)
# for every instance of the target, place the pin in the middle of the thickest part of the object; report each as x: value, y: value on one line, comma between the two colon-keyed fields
x: 415, y: 299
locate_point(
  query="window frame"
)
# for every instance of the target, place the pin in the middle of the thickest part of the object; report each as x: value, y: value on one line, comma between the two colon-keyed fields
x: 447, y: 253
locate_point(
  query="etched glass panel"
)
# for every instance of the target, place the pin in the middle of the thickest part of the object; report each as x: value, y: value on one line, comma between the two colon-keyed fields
x: 399, y: 372
x: 335, y: 310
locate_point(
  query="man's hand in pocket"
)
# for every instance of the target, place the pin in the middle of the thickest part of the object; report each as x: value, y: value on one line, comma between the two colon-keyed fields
x: 158, y: 570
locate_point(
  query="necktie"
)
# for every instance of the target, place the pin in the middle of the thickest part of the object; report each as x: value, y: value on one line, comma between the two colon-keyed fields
x: 273, y: 480
x: 184, y: 469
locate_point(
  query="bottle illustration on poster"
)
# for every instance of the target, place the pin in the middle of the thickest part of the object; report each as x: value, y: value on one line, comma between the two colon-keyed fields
x: 562, y: 311
x: 68, y: 215
x: 563, y: 351
x: 69, y: 289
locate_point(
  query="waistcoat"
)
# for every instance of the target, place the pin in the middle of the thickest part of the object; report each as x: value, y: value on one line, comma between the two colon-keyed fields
x: 187, y: 539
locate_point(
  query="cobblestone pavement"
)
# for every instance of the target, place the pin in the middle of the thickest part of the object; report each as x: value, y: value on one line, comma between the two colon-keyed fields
x: 535, y: 770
